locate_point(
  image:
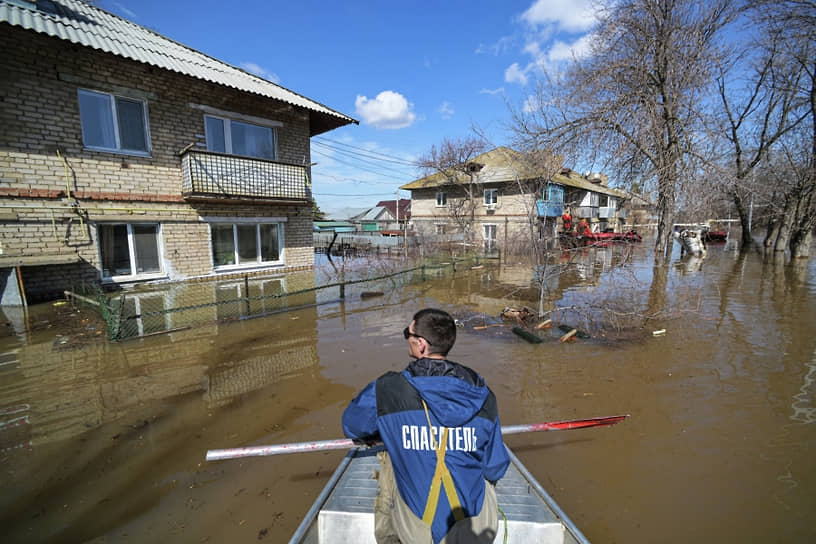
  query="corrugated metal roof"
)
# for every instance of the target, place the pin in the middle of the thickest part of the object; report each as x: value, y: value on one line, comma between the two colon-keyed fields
x: 502, y: 165
x: 82, y: 24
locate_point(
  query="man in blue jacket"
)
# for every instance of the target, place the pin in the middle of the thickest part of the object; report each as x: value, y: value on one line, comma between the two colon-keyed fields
x: 444, y: 451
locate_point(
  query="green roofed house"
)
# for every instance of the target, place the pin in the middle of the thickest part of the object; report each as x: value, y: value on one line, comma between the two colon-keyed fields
x: 126, y: 157
x: 497, y: 193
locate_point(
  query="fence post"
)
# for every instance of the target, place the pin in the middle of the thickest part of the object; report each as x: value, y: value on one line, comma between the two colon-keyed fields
x: 117, y: 332
x: 343, y: 290
x: 246, y: 293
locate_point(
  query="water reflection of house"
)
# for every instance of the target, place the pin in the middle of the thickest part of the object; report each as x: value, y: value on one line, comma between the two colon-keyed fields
x: 126, y: 156
x: 71, y: 391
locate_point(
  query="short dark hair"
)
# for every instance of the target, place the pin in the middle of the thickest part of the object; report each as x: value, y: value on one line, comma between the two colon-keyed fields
x: 437, y: 327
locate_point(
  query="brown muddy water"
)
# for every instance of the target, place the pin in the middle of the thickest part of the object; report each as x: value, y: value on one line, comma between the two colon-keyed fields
x: 106, y: 442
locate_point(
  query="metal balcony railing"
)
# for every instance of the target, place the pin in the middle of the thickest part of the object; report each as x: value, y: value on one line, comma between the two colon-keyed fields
x: 207, y: 174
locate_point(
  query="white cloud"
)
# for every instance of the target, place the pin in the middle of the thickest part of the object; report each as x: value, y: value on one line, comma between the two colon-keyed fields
x: 502, y: 46
x: 260, y: 71
x: 516, y: 74
x: 561, y: 51
x: 446, y: 109
x: 500, y: 90
x: 128, y: 13
x: 389, y: 110
x: 567, y: 15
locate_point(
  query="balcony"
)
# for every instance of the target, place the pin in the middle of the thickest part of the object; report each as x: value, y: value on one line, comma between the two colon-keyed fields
x: 549, y: 208
x: 207, y: 175
x: 606, y: 212
x: 585, y: 211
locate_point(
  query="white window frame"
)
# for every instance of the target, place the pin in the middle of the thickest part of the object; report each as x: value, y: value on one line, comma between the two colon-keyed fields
x: 228, y: 134
x: 441, y: 199
x: 491, y: 197
x: 133, y: 276
x: 257, y: 222
x: 490, y: 243
x: 117, y: 137
x: 440, y: 229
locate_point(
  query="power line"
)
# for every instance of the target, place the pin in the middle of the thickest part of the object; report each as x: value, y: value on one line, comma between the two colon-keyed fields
x: 350, y: 155
x: 385, y: 157
x: 379, y: 173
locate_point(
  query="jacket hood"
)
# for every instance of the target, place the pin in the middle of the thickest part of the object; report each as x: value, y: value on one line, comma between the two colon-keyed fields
x: 454, y: 393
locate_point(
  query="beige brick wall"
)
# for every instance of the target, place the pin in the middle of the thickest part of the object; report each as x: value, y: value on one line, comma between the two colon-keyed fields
x: 44, y: 166
x: 510, y: 215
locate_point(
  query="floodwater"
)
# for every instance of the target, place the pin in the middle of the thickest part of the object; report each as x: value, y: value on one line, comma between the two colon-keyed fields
x: 106, y: 442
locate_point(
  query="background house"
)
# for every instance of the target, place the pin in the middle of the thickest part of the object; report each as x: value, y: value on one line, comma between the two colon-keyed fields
x: 497, y: 194
x: 128, y: 157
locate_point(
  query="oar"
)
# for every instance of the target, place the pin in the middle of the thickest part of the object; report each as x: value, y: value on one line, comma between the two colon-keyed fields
x: 346, y: 443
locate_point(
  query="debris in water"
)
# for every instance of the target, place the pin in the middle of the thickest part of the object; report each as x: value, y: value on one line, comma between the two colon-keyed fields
x: 568, y: 336
x: 527, y: 335
x: 371, y: 294
x: 546, y: 324
x: 659, y: 333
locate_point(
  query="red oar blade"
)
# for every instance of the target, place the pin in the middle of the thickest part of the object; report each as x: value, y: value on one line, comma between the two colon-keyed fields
x: 563, y: 425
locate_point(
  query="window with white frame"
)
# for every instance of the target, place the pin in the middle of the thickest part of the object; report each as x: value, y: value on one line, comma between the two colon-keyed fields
x: 240, y: 138
x: 491, y: 197
x: 129, y: 250
x: 440, y: 228
x: 113, y: 123
x: 489, y: 236
x: 246, y: 244
x: 441, y: 199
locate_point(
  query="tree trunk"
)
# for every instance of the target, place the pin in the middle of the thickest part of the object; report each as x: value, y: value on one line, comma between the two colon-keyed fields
x: 785, y: 227
x: 772, y: 233
x: 747, y: 241
x: 800, y: 244
x: 665, y: 225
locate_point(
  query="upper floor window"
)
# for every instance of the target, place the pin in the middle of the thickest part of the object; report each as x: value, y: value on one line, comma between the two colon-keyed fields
x: 113, y: 123
x: 240, y: 138
x: 441, y: 199
x: 491, y: 197
x: 129, y: 250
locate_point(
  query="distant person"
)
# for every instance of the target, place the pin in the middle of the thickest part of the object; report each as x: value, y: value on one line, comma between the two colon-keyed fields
x: 583, y: 226
x: 444, y: 451
x: 567, y: 221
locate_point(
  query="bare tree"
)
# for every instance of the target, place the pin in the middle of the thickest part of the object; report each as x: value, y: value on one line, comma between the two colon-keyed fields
x: 794, y: 21
x: 453, y: 161
x: 634, y: 102
x: 760, y: 105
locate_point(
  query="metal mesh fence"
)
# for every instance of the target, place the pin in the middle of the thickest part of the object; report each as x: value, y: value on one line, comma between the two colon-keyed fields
x: 149, y: 310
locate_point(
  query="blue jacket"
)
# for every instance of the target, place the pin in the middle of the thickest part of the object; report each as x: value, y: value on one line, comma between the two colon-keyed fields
x: 458, y: 398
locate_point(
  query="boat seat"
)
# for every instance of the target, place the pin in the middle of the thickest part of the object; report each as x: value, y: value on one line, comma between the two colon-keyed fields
x: 348, y: 514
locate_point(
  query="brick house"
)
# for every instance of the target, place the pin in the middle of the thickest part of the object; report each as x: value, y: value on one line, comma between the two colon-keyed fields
x: 499, y: 192
x: 127, y: 157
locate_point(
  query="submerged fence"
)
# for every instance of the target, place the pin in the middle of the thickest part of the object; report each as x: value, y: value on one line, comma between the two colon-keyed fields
x: 170, y: 307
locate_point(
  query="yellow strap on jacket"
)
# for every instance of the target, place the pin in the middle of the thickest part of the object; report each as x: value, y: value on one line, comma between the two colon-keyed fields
x: 441, y: 478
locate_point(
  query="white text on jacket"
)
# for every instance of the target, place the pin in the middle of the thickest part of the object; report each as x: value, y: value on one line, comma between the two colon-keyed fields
x: 417, y: 437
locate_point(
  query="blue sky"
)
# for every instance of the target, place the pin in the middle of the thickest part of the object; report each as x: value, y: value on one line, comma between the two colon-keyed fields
x: 412, y: 73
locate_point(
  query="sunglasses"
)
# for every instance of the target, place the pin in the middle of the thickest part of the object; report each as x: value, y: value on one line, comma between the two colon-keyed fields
x: 407, y: 334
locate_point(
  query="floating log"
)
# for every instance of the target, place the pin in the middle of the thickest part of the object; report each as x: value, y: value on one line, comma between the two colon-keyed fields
x: 580, y: 334
x: 546, y: 324
x: 527, y: 335
x: 371, y: 294
x: 483, y: 327
x: 569, y: 335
